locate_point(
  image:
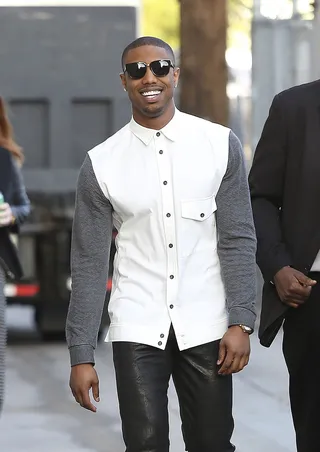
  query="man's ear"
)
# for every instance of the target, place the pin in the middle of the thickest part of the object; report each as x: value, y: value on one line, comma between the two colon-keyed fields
x: 176, y: 75
x: 123, y: 81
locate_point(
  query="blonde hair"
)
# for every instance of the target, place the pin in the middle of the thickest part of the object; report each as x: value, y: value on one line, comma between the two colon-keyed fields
x: 6, y: 134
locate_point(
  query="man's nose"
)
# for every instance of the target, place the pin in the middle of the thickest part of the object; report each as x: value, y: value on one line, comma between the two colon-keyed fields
x: 149, y: 77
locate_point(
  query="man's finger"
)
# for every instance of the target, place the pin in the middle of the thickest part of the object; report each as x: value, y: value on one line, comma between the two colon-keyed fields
x: 244, y: 362
x: 222, y: 353
x: 78, y: 398
x: 305, y: 280
x: 95, y: 391
x: 298, y: 291
x: 75, y: 395
x: 86, y: 402
x: 293, y: 305
x: 294, y: 302
x: 227, y: 363
x: 235, y: 366
x: 294, y: 298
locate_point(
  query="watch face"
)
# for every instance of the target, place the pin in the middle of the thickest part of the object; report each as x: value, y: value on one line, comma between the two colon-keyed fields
x: 247, y: 329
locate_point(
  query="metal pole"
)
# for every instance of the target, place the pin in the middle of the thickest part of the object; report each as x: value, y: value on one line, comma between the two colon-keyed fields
x: 256, y: 8
x: 316, y: 43
x: 295, y: 11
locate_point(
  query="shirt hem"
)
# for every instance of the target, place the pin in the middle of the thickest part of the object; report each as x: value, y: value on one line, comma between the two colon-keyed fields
x: 158, y: 339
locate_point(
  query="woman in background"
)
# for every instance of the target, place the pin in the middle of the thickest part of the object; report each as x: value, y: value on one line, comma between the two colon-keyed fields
x: 14, y: 208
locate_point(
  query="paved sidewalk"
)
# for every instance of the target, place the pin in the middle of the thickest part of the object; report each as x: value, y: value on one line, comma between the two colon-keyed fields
x: 40, y: 414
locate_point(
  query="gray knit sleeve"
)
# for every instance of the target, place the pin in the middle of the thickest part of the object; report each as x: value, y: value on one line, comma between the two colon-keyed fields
x: 237, y: 239
x: 90, y: 251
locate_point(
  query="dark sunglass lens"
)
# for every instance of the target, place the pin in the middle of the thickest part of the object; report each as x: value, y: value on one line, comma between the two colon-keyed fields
x: 160, y: 68
x: 136, y: 70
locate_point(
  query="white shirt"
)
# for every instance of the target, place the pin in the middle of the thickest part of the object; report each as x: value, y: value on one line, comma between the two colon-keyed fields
x: 162, y: 187
x: 167, y: 268
x: 316, y: 265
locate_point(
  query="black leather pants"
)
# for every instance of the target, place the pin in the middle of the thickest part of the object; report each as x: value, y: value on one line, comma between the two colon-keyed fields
x: 205, y: 398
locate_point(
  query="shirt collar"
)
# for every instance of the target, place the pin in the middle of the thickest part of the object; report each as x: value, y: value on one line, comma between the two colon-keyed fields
x: 170, y: 131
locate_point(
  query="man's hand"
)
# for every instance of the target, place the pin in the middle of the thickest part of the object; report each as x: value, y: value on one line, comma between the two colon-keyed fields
x: 234, y: 351
x: 293, y: 287
x: 83, y: 377
x: 5, y: 214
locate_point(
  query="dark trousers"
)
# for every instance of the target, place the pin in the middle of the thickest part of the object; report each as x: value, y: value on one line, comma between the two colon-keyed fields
x: 301, y: 347
x: 205, y: 398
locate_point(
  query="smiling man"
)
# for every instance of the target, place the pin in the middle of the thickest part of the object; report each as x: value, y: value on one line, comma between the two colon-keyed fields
x: 182, y: 301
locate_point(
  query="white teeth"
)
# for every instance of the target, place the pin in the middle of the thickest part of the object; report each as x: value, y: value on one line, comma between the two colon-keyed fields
x: 151, y: 93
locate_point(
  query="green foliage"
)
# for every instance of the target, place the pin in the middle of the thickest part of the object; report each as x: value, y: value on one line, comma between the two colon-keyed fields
x: 161, y: 18
x: 239, y: 23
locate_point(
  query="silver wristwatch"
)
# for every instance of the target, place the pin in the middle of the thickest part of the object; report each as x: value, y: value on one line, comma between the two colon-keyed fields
x: 246, y: 329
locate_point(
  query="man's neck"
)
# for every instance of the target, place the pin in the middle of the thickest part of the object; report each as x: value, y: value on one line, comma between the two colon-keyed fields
x: 155, y: 123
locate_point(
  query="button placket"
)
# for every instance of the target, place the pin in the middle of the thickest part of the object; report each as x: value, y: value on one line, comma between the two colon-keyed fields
x: 164, y: 163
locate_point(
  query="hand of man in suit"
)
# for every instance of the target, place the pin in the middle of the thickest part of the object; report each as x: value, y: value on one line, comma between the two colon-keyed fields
x: 293, y: 287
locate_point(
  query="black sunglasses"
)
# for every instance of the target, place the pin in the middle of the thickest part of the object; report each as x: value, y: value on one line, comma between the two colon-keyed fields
x: 160, y: 68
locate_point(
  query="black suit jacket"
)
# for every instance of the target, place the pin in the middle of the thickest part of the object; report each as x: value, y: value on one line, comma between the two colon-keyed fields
x: 14, y: 193
x: 285, y: 189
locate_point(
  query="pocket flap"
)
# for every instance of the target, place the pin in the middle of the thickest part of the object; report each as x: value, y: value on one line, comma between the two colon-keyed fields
x: 198, y: 209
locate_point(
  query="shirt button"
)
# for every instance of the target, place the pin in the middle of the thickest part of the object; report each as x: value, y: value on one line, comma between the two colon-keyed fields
x: 168, y: 215
x: 201, y: 215
x: 159, y: 343
x: 158, y: 134
x: 170, y: 245
x: 161, y: 152
x: 165, y: 182
x: 162, y: 335
x: 171, y: 306
x: 171, y: 276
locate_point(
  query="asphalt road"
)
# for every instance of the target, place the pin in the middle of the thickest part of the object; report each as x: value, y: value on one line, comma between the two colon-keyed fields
x: 40, y: 414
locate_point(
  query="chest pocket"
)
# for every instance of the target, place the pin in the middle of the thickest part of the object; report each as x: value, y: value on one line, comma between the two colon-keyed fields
x: 198, y: 209
x: 198, y: 226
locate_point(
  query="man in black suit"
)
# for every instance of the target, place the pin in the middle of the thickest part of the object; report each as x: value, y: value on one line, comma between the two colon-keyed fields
x: 285, y: 190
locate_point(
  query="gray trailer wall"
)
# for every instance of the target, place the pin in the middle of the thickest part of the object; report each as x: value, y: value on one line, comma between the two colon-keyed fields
x: 60, y: 75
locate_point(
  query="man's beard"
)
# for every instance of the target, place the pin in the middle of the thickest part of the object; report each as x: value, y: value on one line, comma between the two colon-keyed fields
x: 154, y: 112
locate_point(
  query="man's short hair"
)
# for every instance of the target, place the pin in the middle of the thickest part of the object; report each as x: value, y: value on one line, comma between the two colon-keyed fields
x: 147, y: 41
